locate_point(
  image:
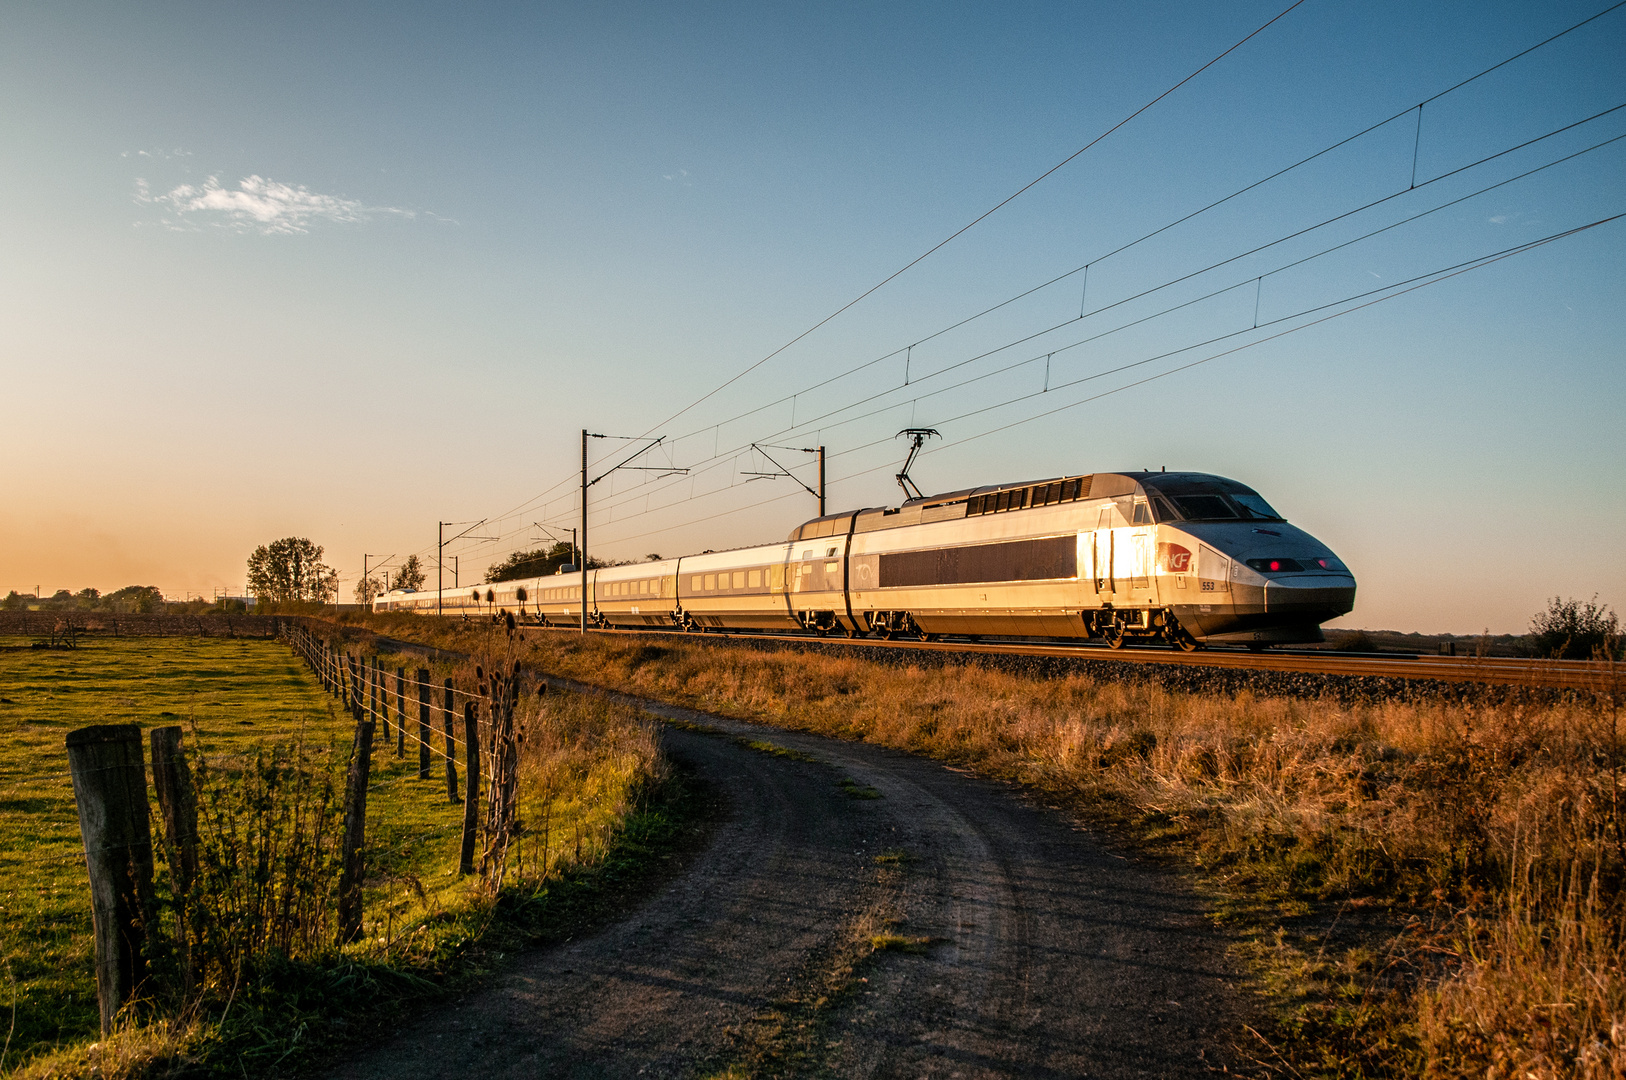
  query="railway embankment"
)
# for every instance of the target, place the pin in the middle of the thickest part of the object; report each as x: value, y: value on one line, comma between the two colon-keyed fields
x: 1430, y: 883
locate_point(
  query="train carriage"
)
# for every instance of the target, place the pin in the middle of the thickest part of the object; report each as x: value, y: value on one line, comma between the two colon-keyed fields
x: 638, y: 594
x: 556, y: 600
x: 743, y: 588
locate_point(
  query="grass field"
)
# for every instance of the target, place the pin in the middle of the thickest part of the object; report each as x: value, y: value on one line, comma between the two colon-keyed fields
x: 236, y: 692
x: 236, y: 698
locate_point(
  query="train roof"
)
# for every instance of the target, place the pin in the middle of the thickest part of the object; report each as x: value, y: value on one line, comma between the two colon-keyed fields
x: 993, y: 498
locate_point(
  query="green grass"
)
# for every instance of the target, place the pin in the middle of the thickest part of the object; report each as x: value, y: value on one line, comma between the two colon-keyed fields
x: 235, y: 691
x: 235, y: 694
x: 854, y: 790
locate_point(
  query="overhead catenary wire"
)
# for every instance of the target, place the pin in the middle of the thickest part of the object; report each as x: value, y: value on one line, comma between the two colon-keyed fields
x: 955, y: 235
x: 1413, y: 284
x: 833, y: 418
x: 728, y: 455
x: 985, y: 215
x: 828, y: 417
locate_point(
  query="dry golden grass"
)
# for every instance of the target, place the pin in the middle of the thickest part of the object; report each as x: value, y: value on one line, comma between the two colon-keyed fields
x: 1487, y: 836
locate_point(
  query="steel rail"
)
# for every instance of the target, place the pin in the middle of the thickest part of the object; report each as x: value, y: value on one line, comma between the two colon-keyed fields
x: 1595, y: 675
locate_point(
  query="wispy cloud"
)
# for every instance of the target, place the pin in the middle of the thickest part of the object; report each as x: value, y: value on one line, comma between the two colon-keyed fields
x: 255, y: 205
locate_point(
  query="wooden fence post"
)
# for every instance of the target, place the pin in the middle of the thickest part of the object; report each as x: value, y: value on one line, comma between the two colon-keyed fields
x: 172, y: 781
x: 471, y: 787
x: 400, y: 712
x: 449, y: 715
x: 355, y: 833
x: 110, y: 789
x: 178, y: 809
x: 375, y: 690
x: 423, y: 723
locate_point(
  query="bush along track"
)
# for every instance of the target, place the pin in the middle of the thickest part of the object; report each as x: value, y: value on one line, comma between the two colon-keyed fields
x: 1429, y: 886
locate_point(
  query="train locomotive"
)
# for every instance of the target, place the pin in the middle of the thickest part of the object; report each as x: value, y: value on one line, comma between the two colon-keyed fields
x: 1187, y: 559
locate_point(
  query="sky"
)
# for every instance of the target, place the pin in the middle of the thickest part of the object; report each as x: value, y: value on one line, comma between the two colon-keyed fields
x: 347, y: 271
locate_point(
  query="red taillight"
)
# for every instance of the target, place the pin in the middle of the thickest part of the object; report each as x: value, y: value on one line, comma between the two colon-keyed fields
x: 1275, y: 564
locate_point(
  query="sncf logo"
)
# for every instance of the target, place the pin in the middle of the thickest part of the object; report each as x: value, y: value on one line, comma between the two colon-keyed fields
x: 1173, y: 559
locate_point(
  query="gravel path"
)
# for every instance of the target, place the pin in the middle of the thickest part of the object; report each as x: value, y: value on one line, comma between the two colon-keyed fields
x: 1027, y: 948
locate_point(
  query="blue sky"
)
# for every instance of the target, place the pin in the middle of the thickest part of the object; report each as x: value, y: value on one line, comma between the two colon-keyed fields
x: 346, y: 272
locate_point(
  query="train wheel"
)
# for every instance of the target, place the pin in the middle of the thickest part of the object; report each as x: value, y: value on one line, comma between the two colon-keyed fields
x: 1114, y: 636
x: 1184, y: 642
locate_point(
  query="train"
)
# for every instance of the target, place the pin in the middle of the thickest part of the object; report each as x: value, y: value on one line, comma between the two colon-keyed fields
x: 1181, y: 558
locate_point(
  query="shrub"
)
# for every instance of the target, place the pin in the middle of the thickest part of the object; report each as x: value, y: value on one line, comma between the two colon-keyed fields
x: 1576, y: 630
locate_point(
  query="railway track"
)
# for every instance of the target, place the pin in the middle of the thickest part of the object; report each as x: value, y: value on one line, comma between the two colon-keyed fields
x: 1499, y: 670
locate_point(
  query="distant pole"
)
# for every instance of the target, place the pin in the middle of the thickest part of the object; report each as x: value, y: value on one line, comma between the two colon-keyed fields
x: 440, y: 564
x: 110, y: 789
x: 821, y: 481
x: 583, y: 566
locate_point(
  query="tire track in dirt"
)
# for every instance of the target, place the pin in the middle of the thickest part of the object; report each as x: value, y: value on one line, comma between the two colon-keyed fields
x: 1031, y: 949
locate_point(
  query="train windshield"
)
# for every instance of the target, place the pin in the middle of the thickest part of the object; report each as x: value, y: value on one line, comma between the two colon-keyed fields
x: 1211, y: 499
x: 1224, y: 508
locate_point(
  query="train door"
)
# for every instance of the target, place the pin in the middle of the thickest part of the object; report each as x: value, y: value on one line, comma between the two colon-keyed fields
x: 1103, y: 546
x: 1143, y: 582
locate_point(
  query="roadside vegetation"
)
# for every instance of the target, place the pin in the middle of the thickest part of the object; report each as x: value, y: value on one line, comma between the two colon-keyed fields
x: 246, y: 976
x: 1429, y: 888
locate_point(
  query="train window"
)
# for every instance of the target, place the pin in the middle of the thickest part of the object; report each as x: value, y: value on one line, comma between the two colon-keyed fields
x: 1143, y: 513
x: 711, y: 582
x: 696, y: 583
x: 1256, y: 506
x: 1017, y: 560
x: 830, y: 553
x: 738, y: 581
x: 1204, y: 507
x: 753, y: 579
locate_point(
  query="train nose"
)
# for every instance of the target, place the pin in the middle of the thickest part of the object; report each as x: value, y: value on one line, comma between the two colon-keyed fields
x: 1333, y: 594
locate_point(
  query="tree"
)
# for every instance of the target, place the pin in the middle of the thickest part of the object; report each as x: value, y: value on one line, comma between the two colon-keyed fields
x: 135, y: 600
x: 291, y: 569
x: 410, y: 576
x: 368, y: 589
x: 538, y: 563
x: 1573, y: 630
x: 14, y: 601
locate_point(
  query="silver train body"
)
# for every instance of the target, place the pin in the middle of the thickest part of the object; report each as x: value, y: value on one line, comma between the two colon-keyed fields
x: 1185, y: 558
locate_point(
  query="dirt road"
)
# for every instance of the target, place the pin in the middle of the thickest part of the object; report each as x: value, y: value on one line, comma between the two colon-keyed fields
x: 1019, y: 945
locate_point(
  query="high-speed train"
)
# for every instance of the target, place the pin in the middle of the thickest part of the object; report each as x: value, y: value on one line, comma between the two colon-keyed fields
x: 1184, y: 558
